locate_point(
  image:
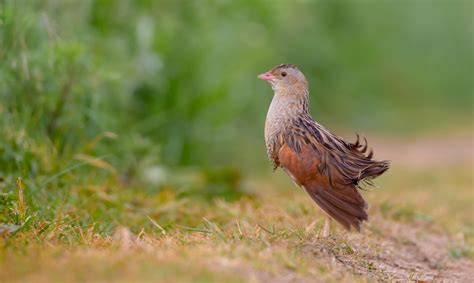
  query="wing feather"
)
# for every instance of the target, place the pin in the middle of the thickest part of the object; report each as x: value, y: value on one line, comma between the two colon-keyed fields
x: 329, y: 169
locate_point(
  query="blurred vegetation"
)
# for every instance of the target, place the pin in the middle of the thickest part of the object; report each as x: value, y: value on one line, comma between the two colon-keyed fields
x: 124, y: 94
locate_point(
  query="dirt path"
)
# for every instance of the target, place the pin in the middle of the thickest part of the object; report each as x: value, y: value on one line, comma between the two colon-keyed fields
x: 403, y: 253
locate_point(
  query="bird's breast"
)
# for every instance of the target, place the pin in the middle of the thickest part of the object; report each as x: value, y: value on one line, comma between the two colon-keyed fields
x: 280, y: 115
x: 274, y: 123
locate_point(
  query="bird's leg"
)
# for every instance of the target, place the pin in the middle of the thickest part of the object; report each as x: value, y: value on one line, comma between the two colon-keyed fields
x: 326, y: 227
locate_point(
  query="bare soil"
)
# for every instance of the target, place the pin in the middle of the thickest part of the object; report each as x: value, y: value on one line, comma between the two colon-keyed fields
x: 404, y: 253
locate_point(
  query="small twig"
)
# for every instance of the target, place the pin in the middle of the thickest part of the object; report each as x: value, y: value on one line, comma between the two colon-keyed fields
x: 21, y: 200
x: 238, y: 227
x: 27, y: 220
x: 272, y: 232
x: 163, y: 231
x: 214, y: 228
x: 193, y: 229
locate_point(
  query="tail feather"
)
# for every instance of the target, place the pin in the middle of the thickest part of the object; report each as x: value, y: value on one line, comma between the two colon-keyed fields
x: 341, y: 203
x: 374, y: 170
x: 339, y: 215
x: 349, y: 212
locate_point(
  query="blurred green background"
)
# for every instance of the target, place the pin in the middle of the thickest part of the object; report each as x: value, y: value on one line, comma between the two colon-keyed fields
x: 128, y: 93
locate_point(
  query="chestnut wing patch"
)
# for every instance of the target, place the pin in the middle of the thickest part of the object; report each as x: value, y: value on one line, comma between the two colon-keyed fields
x: 328, y: 188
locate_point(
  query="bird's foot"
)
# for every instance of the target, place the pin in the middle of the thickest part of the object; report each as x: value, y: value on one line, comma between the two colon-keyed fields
x: 326, y: 231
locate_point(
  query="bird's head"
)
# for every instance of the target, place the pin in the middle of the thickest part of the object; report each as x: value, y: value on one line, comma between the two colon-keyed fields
x: 284, y: 76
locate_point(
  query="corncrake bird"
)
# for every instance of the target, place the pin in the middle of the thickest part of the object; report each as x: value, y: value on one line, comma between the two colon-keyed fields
x: 330, y: 169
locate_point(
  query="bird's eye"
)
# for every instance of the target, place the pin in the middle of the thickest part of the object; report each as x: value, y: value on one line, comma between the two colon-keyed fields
x: 283, y: 74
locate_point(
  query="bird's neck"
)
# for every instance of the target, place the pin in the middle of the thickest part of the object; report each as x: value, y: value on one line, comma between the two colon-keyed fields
x: 285, y: 109
x: 290, y: 103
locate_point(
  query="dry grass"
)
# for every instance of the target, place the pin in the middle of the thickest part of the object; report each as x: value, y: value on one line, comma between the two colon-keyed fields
x: 422, y: 227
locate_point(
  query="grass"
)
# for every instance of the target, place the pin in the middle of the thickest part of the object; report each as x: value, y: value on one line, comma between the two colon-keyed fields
x: 268, y: 232
x: 123, y: 125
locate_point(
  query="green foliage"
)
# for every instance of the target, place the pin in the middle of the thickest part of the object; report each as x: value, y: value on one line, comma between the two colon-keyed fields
x: 224, y: 183
x: 402, y: 213
x: 459, y: 252
x: 98, y: 92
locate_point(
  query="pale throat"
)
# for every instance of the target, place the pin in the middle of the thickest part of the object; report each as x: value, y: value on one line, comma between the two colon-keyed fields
x: 289, y: 102
x: 287, y: 105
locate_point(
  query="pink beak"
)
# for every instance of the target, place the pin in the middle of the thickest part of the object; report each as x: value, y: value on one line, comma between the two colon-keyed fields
x: 266, y: 76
